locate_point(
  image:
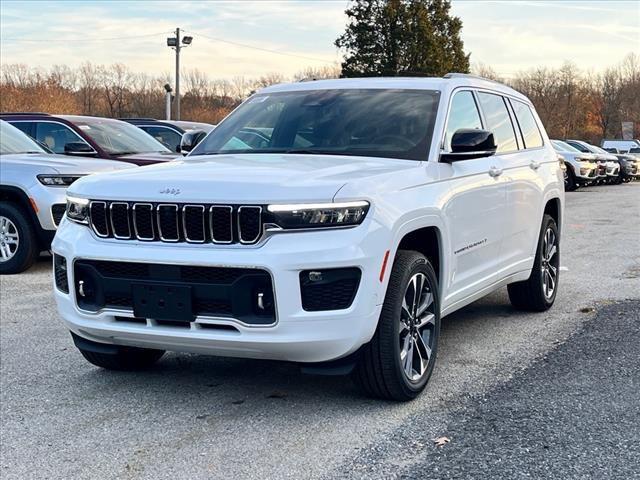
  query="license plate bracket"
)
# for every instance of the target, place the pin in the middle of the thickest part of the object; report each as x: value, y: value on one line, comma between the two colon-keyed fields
x: 162, y: 302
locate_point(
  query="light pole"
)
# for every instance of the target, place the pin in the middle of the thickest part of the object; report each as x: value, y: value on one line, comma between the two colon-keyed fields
x: 178, y: 44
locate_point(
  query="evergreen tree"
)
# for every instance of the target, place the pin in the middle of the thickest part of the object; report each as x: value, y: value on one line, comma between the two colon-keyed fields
x: 402, y: 37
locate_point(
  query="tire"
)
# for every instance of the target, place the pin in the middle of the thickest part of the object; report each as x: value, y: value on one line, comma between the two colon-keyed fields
x: 381, y: 372
x: 125, y: 358
x: 571, y: 183
x: 16, y: 229
x: 531, y: 294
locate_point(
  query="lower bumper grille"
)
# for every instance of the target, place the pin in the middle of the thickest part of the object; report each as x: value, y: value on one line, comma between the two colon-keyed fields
x: 244, y: 294
x: 332, y: 289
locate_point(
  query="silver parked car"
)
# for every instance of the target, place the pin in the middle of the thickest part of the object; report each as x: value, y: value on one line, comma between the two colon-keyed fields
x: 582, y: 168
x: 33, y: 184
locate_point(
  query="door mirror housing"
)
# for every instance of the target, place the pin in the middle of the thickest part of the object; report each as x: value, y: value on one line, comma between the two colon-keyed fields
x: 467, y: 144
x: 190, y: 139
x: 78, y: 149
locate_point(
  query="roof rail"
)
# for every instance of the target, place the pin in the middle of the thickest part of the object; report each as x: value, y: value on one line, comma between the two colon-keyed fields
x: 24, y: 113
x: 469, y: 75
x: 144, y: 119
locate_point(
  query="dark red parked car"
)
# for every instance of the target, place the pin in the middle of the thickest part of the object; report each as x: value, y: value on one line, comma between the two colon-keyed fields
x: 97, y: 137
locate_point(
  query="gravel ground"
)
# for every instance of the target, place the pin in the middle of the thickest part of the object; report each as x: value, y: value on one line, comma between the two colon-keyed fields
x: 203, y: 417
x: 572, y: 414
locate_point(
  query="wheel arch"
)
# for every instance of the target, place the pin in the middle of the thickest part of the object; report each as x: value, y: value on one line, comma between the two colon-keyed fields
x: 10, y: 193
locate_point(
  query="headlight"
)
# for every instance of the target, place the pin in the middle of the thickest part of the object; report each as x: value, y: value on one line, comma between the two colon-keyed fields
x: 58, y: 180
x: 319, y: 215
x: 78, y: 209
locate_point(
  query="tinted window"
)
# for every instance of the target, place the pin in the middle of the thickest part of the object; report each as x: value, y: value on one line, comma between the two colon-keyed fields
x: 26, y: 127
x: 464, y: 114
x: 56, y: 136
x: 578, y: 146
x: 359, y: 122
x: 498, y: 121
x: 528, y: 125
x: 167, y: 136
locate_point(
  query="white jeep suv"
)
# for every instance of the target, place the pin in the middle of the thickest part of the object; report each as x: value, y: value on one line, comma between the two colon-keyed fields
x: 331, y: 223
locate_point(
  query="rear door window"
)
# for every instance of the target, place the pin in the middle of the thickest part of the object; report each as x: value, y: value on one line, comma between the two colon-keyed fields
x: 56, y: 135
x: 528, y: 126
x: 498, y: 121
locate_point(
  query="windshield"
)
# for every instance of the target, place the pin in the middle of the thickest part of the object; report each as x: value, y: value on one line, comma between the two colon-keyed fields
x: 119, y: 138
x: 13, y: 140
x: 598, y: 149
x: 565, y: 147
x: 371, y: 122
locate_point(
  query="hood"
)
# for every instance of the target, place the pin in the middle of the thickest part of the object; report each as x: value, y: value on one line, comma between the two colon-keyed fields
x: 63, y: 164
x: 149, y: 158
x: 246, y: 178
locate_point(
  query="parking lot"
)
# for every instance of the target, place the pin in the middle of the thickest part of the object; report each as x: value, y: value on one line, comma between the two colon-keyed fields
x: 203, y: 417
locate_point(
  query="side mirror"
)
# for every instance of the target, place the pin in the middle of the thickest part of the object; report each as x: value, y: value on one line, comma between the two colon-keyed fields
x: 467, y: 144
x: 78, y: 148
x: 190, y: 139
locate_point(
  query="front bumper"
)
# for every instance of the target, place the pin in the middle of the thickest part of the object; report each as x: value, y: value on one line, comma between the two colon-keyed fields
x: 297, y: 335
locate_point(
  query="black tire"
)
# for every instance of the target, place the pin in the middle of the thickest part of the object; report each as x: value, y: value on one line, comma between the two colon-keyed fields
x: 124, y: 359
x: 530, y: 294
x: 379, y: 371
x: 571, y: 184
x: 27, y: 251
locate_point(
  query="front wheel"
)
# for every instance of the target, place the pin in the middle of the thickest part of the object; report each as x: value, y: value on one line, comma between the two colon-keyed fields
x: 398, y: 361
x: 570, y: 184
x: 539, y: 292
x: 18, y: 244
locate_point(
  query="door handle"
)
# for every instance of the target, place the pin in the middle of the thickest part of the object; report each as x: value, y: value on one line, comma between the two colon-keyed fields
x: 534, y: 165
x: 495, y: 171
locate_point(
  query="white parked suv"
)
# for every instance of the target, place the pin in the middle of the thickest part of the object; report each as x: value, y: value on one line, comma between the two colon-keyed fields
x: 331, y: 223
x: 32, y: 195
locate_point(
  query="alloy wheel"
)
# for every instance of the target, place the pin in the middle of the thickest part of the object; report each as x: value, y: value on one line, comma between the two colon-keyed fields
x: 417, y: 328
x: 549, y: 263
x: 9, y: 239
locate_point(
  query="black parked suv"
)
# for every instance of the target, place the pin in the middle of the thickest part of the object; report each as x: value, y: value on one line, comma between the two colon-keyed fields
x: 85, y: 136
x: 169, y: 132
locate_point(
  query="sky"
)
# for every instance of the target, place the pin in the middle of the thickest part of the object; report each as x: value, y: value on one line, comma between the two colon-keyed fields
x: 509, y: 36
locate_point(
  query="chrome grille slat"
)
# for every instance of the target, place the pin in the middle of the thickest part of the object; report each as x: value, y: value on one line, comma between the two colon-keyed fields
x: 216, y: 220
x: 167, y: 226
x: 177, y: 222
x: 100, y: 210
x: 116, y: 225
x: 138, y: 220
x: 190, y: 232
x: 248, y: 222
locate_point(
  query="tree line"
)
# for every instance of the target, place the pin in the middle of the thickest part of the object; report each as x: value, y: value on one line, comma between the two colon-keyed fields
x: 118, y: 92
x: 571, y: 103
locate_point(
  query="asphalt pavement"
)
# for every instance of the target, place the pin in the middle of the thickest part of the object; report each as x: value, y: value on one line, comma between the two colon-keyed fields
x: 204, y: 417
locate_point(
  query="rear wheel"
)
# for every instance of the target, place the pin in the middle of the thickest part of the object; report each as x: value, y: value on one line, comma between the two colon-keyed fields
x: 398, y: 361
x: 539, y: 292
x: 18, y: 245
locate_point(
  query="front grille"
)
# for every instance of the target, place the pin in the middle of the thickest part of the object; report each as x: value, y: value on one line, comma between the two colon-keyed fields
x: 333, y: 289
x: 173, y: 222
x: 57, y: 212
x: 245, y: 294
